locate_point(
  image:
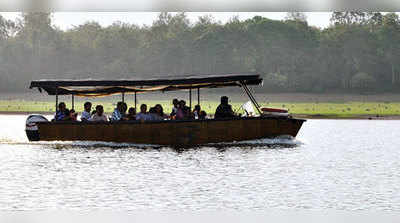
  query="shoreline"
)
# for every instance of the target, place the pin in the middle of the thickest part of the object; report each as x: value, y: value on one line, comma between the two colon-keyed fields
x: 302, y: 116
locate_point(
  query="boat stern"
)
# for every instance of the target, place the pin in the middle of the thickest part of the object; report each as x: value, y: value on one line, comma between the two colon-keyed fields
x: 31, y: 127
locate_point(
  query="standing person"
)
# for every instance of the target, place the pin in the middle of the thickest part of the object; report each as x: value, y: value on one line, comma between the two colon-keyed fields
x: 86, y: 113
x: 117, y: 114
x: 62, y: 113
x: 143, y: 115
x: 224, y: 110
x: 99, y: 115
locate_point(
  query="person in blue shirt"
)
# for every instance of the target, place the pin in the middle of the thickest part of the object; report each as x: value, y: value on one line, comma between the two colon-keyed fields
x: 143, y: 115
x: 62, y: 113
x: 117, y: 114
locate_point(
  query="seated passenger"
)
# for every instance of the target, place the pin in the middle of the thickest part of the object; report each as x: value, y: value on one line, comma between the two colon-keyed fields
x: 86, y: 113
x: 203, y: 115
x: 123, y: 111
x: 175, y: 102
x: 73, y: 116
x: 224, y: 110
x: 160, y: 111
x: 198, y: 113
x: 183, y: 111
x: 99, y: 115
x: 117, y: 114
x: 154, y: 115
x: 143, y: 115
x: 131, y: 114
x: 62, y: 113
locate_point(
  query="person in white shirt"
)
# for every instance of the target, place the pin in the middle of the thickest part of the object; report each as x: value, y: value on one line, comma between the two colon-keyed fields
x: 85, y: 116
x: 99, y: 115
x: 143, y: 115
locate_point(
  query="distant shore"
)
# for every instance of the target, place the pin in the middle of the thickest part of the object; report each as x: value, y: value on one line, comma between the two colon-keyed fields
x: 307, y: 106
x: 303, y: 116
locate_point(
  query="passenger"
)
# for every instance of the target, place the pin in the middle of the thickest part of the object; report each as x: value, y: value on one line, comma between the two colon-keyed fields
x: 175, y: 102
x: 224, y: 110
x: 62, y: 113
x: 203, y: 115
x: 154, y: 115
x: 143, y: 115
x: 131, y: 114
x: 73, y: 116
x: 183, y: 111
x: 99, y: 115
x: 198, y: 113
x: 160, y: 111
x: 124, y: 109
x: 117, y: 114
x: 86, y: 113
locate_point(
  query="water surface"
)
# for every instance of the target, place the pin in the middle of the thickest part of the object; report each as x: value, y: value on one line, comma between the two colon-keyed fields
x: 333, y: 164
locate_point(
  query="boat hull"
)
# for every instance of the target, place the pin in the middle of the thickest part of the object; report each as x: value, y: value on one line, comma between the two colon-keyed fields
x: 180, y: 133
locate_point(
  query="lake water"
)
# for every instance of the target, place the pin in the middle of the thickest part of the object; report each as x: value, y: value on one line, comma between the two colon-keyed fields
x: 333, y: 164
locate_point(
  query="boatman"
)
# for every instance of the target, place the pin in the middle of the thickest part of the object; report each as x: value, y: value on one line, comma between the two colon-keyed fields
x: 224, y: 110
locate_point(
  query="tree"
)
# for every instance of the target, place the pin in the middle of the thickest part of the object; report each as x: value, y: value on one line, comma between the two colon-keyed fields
x: 390, y: 39
x: 294, y: 56
x: 363, y: 81
x: 275, y: 81
x: 7, y: 28
x: 349, y: 18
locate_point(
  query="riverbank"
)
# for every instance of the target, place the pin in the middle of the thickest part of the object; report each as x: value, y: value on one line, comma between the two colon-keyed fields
x: 307, y: 106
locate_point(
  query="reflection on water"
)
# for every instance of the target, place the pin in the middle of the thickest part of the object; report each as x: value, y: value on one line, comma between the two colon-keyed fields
x: 341, y: 165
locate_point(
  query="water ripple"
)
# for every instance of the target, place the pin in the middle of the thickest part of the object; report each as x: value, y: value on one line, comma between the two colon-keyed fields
x: 329, y: 166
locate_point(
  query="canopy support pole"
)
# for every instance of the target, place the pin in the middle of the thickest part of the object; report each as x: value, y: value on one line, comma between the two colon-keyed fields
x: 252, y: 99
x: 198, y: 96
x: 135, y: 102
x: 190, y: 99
x: 56, y: 100
x: 73, y: 101
x: 123, y: 96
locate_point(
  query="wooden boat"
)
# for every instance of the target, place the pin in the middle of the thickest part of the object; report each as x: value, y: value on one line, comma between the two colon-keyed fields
x: 166, y: 132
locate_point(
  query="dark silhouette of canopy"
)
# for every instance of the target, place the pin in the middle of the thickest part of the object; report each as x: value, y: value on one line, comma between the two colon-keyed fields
x: 95, y: 88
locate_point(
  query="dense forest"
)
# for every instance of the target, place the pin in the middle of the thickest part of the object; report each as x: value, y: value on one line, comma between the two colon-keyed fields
x: 359, y: 52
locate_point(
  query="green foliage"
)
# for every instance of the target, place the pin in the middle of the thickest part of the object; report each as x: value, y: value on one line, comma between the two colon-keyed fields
x: 345, y: 109
x: 363, y: 81
x: 275, y: 81
x: 312, y: 60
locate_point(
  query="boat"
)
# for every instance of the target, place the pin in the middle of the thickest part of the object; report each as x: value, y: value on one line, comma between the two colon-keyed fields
x: 165, y: 132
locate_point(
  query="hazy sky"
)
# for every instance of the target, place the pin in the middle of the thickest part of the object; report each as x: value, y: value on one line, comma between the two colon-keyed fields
x: 65, y: 20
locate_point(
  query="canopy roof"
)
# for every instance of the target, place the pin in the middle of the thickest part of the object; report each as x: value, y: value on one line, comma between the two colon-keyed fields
x: 95, y: 88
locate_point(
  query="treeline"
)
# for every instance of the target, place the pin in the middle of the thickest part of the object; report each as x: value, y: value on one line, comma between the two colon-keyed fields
x: 359, y: 52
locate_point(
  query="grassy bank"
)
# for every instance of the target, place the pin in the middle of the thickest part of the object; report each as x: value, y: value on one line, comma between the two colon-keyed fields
x: 303, y: 109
